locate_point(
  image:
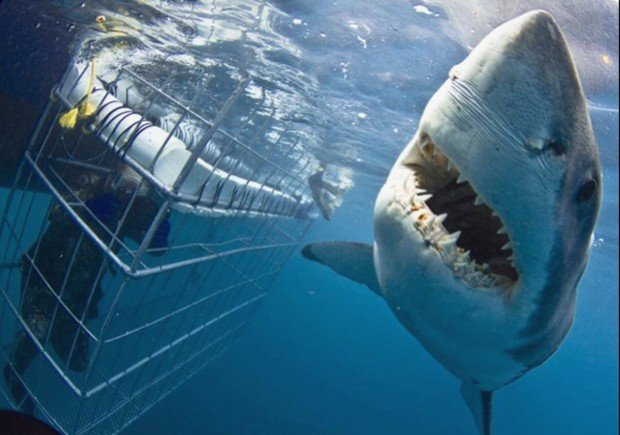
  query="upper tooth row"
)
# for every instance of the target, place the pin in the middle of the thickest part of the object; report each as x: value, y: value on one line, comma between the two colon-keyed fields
x: 446, y: 242
x: 423, y: 196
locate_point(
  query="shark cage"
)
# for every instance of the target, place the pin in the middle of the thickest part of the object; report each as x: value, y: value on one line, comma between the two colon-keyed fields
x: 138, y: 237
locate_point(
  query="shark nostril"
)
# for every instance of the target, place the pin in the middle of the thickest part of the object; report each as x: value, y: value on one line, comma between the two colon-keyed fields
x: 558, y: 147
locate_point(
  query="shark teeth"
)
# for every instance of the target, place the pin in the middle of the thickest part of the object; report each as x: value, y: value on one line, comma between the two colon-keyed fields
x: 469, y: 265
x: 447, y: 242
x: 425, y: 197
x: 507, y: 246
x: 455, y: 235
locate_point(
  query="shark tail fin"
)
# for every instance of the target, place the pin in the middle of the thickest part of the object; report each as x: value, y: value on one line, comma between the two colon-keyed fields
x: 479, y: 403
x: 349, y: 259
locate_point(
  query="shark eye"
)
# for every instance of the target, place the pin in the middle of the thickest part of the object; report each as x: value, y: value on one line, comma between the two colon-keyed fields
x: 586, y: 191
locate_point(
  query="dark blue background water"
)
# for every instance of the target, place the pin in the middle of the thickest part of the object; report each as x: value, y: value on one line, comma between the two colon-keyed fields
x: 324, y: 355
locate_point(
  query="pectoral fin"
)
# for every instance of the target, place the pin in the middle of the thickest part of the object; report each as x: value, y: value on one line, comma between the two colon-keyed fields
x: 479, y: 403
x: 349, y: 259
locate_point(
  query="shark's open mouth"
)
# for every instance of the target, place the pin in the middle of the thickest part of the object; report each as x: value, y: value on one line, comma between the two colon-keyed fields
x: 470, y: 238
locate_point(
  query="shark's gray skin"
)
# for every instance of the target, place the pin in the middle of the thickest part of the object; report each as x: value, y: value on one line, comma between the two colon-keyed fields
x: 483, y: 227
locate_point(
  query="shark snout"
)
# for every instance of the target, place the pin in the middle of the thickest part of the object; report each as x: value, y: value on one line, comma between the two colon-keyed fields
x: 532, y: 40
x: 523, y: 75
x: 535, y: 21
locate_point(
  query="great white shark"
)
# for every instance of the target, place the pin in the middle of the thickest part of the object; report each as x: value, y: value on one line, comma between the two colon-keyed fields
x: 484, y: 225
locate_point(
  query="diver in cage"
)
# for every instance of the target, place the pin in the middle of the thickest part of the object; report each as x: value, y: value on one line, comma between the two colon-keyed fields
x: 326, y: 195
x: 61, y: 273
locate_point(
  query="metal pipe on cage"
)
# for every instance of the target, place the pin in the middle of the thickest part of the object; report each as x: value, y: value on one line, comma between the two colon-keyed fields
x: 189, y: 164
x: 233, y: 267
x: 174, y: 192
x: 19, y: 238
x: 259, y: 131
x: 272, y: 226
x: 180, y: 310
x: 117, y: 362
x: 163, y: 327
x: 46, y: 136
x: 79, y: 220
x: 273, y: 170
x: 164, y: 349
x: 143, y: 389
x: 180, y: 105
x: 104, y: 326
x: 65, y: 75
x: 81, y: 323
x: 75, y: 216
x: 184, y: 339
x: 146, y: 241
x: 249, y: 118
x: 53, y: 294
x: 41, y: 350
x: 192, y: 357
x: 211, y: 266
x: 115, y: 239
x: 80, y: 164
x: 128, y: 271
x: 204, y: 258
x: 62, y: 289
x: 29, y: 392
x: 202, y: 312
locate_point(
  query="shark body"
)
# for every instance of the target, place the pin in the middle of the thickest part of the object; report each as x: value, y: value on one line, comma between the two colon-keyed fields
x: 483, y: 227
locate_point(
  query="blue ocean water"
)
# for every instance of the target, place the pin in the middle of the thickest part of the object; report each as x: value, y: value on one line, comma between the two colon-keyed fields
x: 322, y: 354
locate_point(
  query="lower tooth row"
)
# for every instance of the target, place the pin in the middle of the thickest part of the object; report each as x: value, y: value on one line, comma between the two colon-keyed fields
x: 433, y: 230
x: 455, y: 257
